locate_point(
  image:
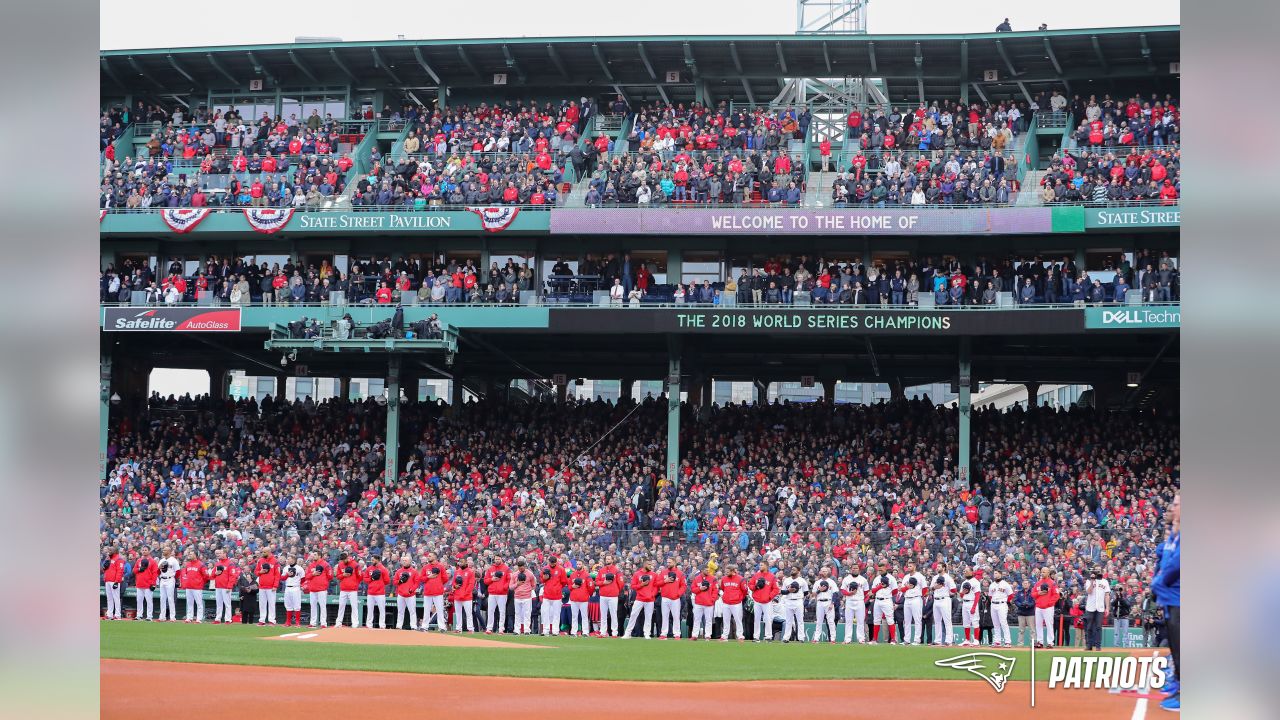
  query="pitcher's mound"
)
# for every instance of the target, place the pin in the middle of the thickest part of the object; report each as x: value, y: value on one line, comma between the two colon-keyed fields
x: 365, y: 636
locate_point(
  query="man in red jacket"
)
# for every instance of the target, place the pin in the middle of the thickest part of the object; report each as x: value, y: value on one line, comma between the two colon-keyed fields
x: 609, y: 581
x: 225, y: 575
x: 1045, y: 594
x: 316, y: 584
x: 268, y: 572
x: 706, y: 590
x: 349, y: 575
x: 145, y: 572
x: 192, y: 578
x: 464, y: 586
x: 407, y: 580
x: 733, y: 589
x: 764, y: 588
x: 553, y: 579
x: 672, y: 586
x: 581, y: 586
x: 644, y: 583
x: 112, y: 576
x: 497, y: 583
x: 377, y: 579
x: 434, y: 576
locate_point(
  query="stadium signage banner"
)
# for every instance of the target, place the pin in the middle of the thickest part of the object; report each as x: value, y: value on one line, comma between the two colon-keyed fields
x: 1096, y: 218
x: 1130, y: 318
x: 814, y: 321
x: 799, y: 221
x: 375, y: 221
x: 175, y: 319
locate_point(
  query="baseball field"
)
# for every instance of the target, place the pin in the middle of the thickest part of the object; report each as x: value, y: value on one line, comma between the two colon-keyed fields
x: 273, y: 668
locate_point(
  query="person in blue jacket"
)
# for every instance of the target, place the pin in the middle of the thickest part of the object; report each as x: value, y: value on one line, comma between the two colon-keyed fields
x: 1166, y: 586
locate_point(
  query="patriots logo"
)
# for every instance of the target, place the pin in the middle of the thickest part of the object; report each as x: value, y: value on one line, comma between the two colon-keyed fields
x: 993, y: 668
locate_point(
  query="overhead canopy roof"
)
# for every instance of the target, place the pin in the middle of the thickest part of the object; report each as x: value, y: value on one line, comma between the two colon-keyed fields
x: 1110, y: 57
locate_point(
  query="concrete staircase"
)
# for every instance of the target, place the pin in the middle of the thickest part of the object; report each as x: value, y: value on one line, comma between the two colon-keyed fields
x: 1029, y: 196
x: 817, y: 191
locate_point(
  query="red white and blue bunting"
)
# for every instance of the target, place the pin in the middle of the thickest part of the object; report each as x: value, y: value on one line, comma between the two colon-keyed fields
x: 495, y: 219
x: 101, y: 214
x: 268, y: 220
x: 183, y: 220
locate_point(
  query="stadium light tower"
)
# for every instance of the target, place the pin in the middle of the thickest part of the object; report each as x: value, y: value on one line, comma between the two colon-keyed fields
x: 830, y: 99
x: 814, y: 17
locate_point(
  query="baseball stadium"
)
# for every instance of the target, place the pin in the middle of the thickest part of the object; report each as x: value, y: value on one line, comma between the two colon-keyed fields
x: 711, y: 376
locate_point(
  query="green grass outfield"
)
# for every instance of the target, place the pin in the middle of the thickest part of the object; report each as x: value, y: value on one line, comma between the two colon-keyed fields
x: 571, y: 658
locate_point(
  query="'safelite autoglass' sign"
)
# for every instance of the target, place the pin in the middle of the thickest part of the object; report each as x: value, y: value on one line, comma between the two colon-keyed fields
x: 171, y: 319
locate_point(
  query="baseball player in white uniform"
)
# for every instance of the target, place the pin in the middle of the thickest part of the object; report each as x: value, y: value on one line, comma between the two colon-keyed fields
x: 943, y: 587
x: 824, y: 589
x: 168, y: 582
x: 883, y: 587
x: 794, y: 589
x: 914, y: 585
x: 293, y: 586
x: 1000, y: 592
x: 854, y: 589
x: 970, y: 591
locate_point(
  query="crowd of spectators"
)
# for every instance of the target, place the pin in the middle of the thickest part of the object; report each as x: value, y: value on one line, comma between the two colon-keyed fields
x: 803, y: 485
x: 419, y: 182
x: 1121, y: 123
x: 1114, y: 176
x: 775, y: 280
x: 511, y: 127
x: 270, y: 163
x: 243, y: 281
x: 701, y: 176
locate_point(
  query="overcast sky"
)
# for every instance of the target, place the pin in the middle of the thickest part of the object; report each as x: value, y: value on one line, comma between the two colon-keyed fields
x: 127, y: 24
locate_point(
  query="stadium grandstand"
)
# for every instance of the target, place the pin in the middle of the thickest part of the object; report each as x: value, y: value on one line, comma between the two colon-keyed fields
x: 719, y: 299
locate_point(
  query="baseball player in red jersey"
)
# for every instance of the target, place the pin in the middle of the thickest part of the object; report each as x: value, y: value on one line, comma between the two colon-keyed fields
x: 497, y: 583
x: 609, y: 581
x: 268, y: 572
x: 523, y: 585
x: 145, y: 571
x: 407, y: 580
x: 733, y: 590
x: 706, y: 590
x: 554, y: 580
x: 581, y: 586
x: 434, y: 576
x: 764, y: 588
x: 644, y: 583
x: 192, y: 578
x: 377, y: 579
x: 1045, y: 593
x: 349, y: 574
x: 316, y: 584
x: 225, y: 575
x: 464, y: 586
x: 672, y: 586
x: 970, y: 593
x: 112, y: 576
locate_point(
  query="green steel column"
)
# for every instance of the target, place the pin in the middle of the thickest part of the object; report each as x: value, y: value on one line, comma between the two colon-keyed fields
x: 104, y: 414
x: 966, y: 410
x: 673, y: 410
x: 393, y: 418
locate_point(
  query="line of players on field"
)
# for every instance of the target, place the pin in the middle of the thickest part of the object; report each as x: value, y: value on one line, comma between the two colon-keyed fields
x: 662, y: 589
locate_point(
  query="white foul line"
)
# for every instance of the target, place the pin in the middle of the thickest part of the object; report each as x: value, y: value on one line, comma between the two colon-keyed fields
x: 306, y: 636
x: 1033, y: 671
x: 287, y: 635
x: 1140, y: 707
